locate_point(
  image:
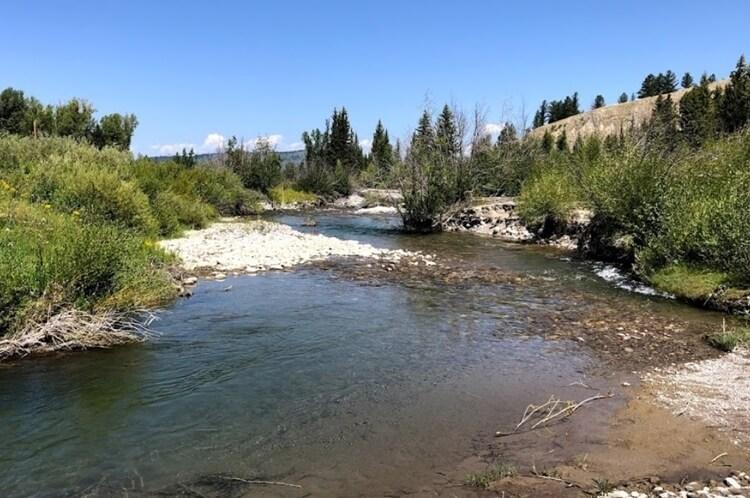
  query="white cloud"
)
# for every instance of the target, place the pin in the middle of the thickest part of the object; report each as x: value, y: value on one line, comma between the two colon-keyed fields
x: 213, y: 142
x: 493, y: 128
x: 273, y: 140
x: 171, y: 149
x: 216, y: 141
x: 366, y: 145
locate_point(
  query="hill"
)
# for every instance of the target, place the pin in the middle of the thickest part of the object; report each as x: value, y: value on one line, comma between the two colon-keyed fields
x: 609, y: 120
x: 287, y: 157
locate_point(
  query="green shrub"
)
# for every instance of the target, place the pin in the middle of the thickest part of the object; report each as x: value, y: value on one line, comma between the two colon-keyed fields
x: 50, y: 260
x: 284, y: 194
x: 548, y: 196
x: 97, y: 194
x: 175, y: 211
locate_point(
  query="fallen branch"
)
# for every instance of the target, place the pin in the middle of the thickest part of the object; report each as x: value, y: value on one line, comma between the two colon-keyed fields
x: 549, y: 411
x: 267, y: 483
x: 720, y: 455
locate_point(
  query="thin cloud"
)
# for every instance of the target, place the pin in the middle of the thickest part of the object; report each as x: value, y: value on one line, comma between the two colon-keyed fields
x: 493, y: 128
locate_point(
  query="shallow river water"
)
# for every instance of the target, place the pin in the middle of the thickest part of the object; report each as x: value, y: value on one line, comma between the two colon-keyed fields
x: 344, y: 388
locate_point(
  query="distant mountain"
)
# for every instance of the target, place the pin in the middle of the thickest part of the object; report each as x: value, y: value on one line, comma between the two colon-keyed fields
x: 287, y: 157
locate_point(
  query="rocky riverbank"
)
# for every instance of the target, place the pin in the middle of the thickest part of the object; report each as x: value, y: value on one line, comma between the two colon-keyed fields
x: 248, y: 247
x: 497, y: 217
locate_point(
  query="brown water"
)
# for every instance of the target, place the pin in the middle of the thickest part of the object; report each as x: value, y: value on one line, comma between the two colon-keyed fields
x: 344, y: 388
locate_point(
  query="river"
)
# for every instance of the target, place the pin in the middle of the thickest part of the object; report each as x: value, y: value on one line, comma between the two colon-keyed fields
x: 333, y: 384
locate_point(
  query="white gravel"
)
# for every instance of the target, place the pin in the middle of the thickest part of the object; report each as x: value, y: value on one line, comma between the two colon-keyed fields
x: 249, y: 247
x: 737, y: 484
x: 716, y: 391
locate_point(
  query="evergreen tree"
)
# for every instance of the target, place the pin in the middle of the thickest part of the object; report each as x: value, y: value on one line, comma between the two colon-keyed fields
x: 507, y: 137
x: 599, y: 102
x: 687, y: 80
x: 648, y: 87
x: 186, y: 159
x: 734, y: 109
x: 623, y: 98
x: 541, y: 115
x: 668, y: 82
x: 548, y: 141
x: 446, y: 135
x: 382, y: 152
x: 423, y: 139
x: 663, y: 125
x: 698, y: 115
x: 562, y: 142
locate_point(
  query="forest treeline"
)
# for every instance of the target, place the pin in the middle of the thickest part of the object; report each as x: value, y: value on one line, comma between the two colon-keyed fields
x: 27, y: 116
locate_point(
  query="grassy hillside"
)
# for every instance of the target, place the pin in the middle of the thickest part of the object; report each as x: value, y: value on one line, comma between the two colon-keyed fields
x: 609, y: 120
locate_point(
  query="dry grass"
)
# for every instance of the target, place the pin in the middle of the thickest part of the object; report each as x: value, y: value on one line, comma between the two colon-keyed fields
x: 72, y: 330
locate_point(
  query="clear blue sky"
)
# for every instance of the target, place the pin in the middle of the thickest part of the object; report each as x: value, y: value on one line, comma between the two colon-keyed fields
x: 190, y: 69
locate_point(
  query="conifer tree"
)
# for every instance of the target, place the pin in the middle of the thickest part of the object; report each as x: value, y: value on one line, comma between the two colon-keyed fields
x: 734, y: 109
x: 623, y: 98
x: 446, y: 135
x: 668, y: 82
x: 562, y: 142
x: 507, y: 137
x: 698, y: 115
x: 687, y: 80
x: 663, y: 125
x: 382, y: 152
x: 423, y: 139
x: 548, y: 141
x: 541, y: 115
x: 599, y: 102
x: 648, y: 87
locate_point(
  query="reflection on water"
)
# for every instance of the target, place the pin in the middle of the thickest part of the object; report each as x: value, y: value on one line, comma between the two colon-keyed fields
x: 344, y: 388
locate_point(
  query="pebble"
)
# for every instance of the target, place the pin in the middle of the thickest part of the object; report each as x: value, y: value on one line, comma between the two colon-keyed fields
x: 736, y: 485
x: 257, y: 246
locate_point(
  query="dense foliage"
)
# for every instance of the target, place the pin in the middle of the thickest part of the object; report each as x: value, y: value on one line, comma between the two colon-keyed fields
x: 77, y: 224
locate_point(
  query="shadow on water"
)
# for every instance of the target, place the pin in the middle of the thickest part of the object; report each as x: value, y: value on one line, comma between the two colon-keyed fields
x: 344, y: 388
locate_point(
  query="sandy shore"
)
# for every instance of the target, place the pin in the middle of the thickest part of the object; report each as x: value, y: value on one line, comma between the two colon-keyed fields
x: 254, y: 246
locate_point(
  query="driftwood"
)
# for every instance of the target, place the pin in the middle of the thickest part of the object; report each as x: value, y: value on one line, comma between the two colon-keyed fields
x: 72, y: 329
x: 554, y: 409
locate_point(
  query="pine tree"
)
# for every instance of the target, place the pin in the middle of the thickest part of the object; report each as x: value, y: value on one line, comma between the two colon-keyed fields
x: 648, y: 87
x: 423, y: 139
x: 446, y: 135
x: 508, y: 136
x: 548, y: 141
x: 623, y: 98
x: 663, y: 125
x: 734, y: 110
x: 698, y: 115
x: 599, y: 102
x: 382, y: 152
x: 562, y: 142
x: 541, y: 115
x: 668, y: 82
x: 687, y: 80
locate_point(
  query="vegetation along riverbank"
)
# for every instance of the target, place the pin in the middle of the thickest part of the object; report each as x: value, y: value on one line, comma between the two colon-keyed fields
x: 665, y: 197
